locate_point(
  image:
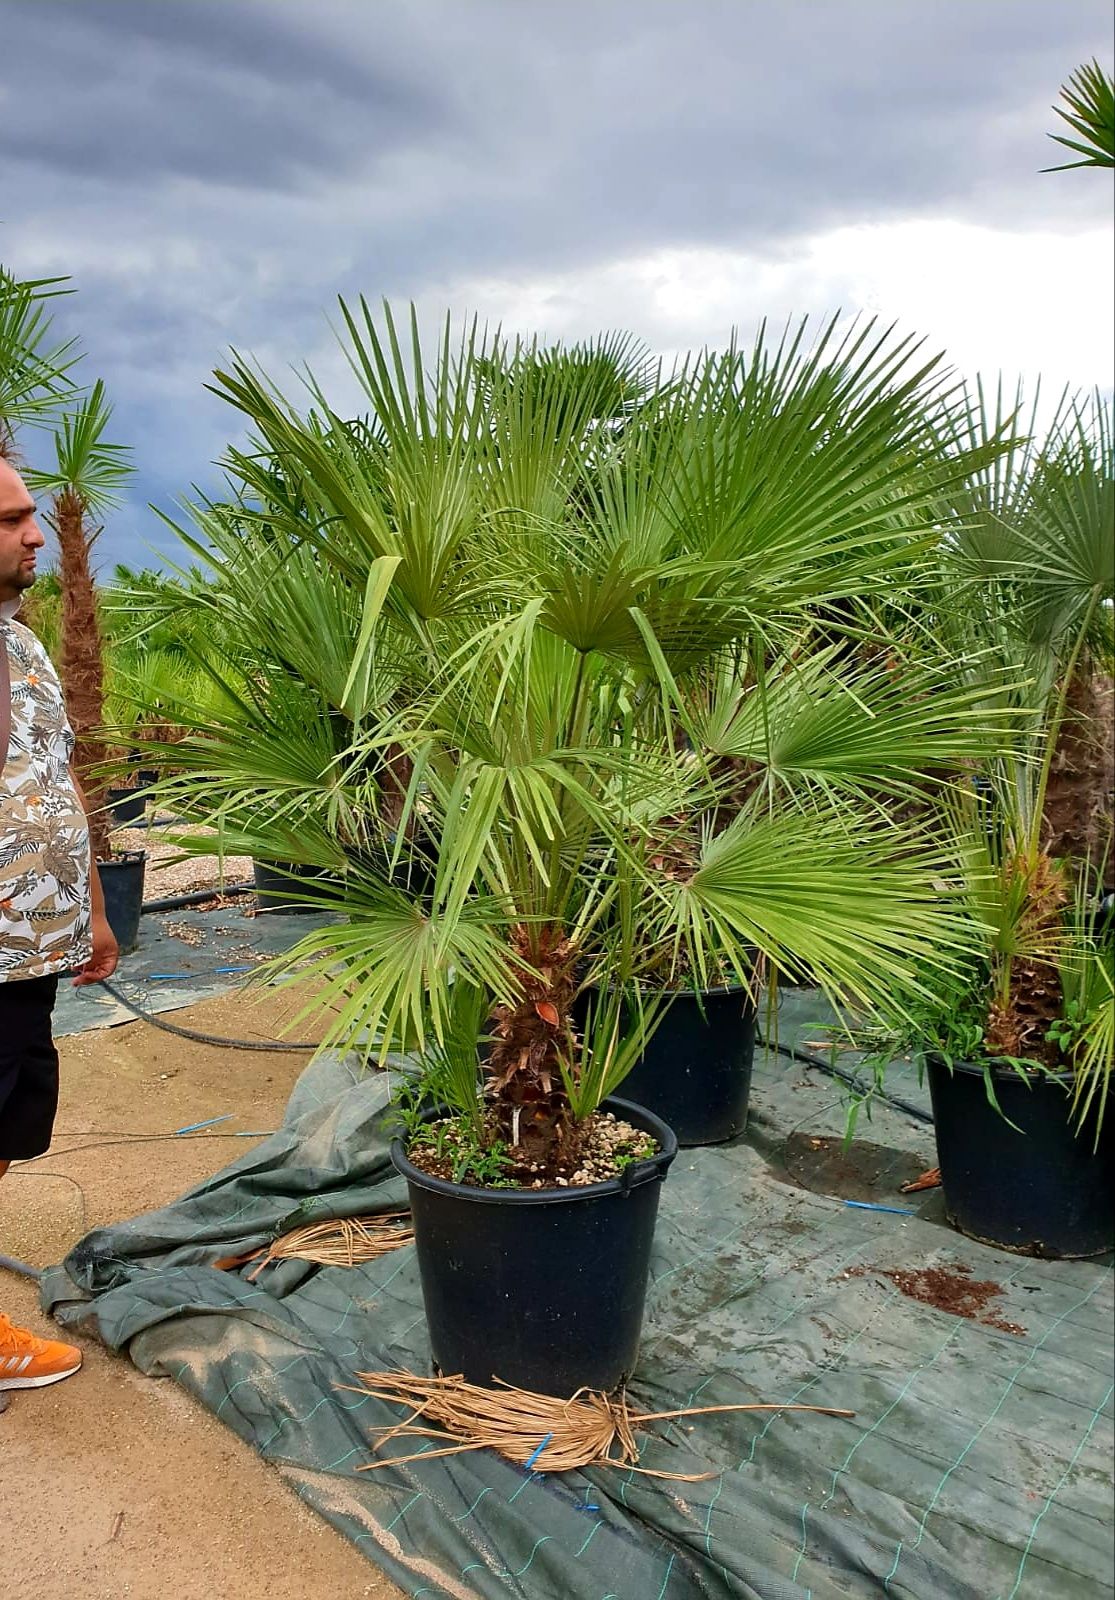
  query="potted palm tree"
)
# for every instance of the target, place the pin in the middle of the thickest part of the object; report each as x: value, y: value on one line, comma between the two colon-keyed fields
x: 1019, y: 1047
x: 801, y: 726
x: 512, y: 610
x: 84, y: 482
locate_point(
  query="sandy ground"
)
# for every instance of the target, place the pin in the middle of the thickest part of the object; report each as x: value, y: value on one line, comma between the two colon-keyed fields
x: 113, y: 1484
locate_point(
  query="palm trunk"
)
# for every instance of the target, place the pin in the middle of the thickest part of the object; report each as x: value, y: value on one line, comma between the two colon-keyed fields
x: 532, y: 1110
x: 82, y: 664
x: 1080, y: 795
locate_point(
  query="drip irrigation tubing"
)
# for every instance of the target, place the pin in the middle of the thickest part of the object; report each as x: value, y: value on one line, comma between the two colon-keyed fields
x: 196, y: 897
x: 843, y: 1076
x: 203, y: 1038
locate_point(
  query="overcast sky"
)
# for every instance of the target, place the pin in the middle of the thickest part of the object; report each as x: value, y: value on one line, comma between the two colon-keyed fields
x: 215, y: 172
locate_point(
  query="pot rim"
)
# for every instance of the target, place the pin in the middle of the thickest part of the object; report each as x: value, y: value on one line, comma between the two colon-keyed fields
x: 691, y: 993
x: 653, y: 1169
x: 123, y: 858
x: 1000, y: 1069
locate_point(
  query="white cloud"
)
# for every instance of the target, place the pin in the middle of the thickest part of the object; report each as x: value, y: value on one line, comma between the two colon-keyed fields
x: 1020, y: 303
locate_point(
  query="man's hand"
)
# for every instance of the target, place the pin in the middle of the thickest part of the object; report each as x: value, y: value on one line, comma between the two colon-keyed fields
x: 106, y: 953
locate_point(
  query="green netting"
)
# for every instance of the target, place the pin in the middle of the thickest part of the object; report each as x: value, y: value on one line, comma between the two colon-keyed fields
x: 978, y: 1464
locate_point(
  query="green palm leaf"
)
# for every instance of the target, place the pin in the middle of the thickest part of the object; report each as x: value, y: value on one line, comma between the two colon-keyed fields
x: 1089, y: 96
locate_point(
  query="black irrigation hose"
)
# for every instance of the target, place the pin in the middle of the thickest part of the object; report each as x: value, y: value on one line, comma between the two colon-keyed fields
x: 202, y: 1038
x: 850, y: 1078
x: 14, y: 1265
x: 196, y: 897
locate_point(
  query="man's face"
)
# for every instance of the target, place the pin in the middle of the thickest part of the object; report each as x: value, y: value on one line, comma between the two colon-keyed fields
x: 20, y: 535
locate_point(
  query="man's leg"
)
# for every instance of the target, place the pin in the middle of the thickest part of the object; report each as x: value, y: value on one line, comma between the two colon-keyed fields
x: 28, y: 1103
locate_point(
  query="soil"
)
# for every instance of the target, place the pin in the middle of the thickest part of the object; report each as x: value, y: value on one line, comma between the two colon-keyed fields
x: 824, y: 1164
x: 608, y: 1145
x: 115, y: 1484
x: 953, y: 1290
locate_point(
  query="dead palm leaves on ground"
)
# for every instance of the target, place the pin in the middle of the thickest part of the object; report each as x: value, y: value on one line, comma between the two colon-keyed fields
x: 534, y: 1430
x: 341, y: 1241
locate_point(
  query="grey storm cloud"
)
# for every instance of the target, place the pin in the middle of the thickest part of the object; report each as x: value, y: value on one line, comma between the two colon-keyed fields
x: 214, y: 172
x: 142, y: 91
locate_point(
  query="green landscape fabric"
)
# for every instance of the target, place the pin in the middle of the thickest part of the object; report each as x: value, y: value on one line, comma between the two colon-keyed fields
x: 978, y: 1463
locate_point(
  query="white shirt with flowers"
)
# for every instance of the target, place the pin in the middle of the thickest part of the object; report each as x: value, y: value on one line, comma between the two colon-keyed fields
x: 44, y: 837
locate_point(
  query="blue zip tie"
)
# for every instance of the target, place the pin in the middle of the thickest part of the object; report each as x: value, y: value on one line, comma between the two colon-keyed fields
x: 245, y: 967
x: 865, y: 1205
x: 536, y: 1453
x: 194, y: 1126
x: 158, y: 977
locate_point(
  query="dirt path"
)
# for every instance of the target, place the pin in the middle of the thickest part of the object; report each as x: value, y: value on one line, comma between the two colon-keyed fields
x: 114, y: 1484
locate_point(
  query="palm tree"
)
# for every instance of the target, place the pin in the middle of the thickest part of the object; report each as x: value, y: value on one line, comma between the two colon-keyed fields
x: 1031, y: 552
x: 525, y: 606
x: 84, y: 482
x: 34, y: 368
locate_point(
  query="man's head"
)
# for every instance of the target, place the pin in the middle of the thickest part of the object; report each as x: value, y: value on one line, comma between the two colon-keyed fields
x: 20, y: 535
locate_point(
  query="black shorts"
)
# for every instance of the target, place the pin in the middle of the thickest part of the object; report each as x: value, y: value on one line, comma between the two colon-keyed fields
x: 28, y: 1068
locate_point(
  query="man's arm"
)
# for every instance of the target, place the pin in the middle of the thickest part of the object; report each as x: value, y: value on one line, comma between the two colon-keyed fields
x: 106, y: 952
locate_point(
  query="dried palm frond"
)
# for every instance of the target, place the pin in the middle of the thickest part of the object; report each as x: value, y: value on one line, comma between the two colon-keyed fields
x: 533, y: 1430
x: 341, y: 1241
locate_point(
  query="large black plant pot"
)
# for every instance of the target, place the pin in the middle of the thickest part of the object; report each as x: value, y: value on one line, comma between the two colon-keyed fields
x: 122, y: 883
x: 282, y: 887
x: 127, y: 807
x: 695, y: 1072
x: 542, y: 1288
x: 1042, y: 1191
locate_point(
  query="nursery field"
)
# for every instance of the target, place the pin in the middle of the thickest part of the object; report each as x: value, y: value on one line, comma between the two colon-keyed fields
x: 685, y: 796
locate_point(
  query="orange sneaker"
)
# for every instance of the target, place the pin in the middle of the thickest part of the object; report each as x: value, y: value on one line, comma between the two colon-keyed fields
x: 28, y: 1362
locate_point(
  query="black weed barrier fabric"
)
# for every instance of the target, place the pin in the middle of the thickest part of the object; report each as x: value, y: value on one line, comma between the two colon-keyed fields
x: 978, y: 1465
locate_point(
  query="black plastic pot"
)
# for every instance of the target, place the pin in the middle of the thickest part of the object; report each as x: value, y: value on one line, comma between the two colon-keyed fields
x: 1041, y: 1191
x: 127, y: 806
x: 542, y: 1288
x: 695, y: 1072
x: 279, y: 886
x: 122, y: 882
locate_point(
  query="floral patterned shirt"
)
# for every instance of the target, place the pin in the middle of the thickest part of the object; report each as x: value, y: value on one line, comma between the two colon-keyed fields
x: 44, y: 837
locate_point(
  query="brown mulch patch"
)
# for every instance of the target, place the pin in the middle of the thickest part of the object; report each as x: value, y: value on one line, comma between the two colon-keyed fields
x: 948, y: 1289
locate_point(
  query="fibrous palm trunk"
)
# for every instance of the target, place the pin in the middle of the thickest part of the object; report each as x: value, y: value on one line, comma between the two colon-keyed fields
x: 82, y: 665
x: 524, y: 1073
x: 1080, y: 797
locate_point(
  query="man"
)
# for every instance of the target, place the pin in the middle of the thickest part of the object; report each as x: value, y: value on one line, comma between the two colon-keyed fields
x: 52, y: 915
